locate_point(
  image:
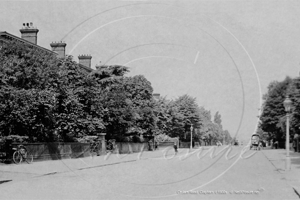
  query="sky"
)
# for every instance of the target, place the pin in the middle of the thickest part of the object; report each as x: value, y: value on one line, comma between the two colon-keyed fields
x: 223, y: 53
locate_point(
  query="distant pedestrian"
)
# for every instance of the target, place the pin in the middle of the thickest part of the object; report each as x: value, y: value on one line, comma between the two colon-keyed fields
x: 276, y: 144
x: 149, y: 146
x: 260, y: 145
x: 294, y: 145
x: 175, y: 147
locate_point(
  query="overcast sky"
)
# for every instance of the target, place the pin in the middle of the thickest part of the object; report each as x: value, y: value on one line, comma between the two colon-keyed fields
x: 224, y: 53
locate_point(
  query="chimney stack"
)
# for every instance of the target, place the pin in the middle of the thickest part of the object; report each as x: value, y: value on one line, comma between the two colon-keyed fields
x: 29, y: 33
x: 59, y: 48
x: 85, y: 60
x: 156, y: 96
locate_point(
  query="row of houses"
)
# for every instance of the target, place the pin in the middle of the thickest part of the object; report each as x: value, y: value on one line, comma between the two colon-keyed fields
x: 29, y: 35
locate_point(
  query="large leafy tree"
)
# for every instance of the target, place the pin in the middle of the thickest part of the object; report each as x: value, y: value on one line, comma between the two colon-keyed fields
x: 294, y: 93
x: 227, y: 136
x: 127, y: 102
x: 120, y: 114
x: 26, y: 96
x: 40, y: 95
x: 139, y: 91
x: 163, y: 115
x: 25, y: 67
x: 185, y: 112
x: 217, y: 119
x: 174, y: 118
x: 273, y: 113
x: 27, y: 113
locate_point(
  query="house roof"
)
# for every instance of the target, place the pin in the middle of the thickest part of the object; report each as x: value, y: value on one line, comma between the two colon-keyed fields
x: 4, y: 36
x: 88, y: 69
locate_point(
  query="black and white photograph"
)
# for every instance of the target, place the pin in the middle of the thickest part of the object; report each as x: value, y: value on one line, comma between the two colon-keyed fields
x: 149, y: 99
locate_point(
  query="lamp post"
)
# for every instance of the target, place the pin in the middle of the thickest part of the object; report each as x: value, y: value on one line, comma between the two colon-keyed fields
x: 191, y: 146
x: 287, y: 105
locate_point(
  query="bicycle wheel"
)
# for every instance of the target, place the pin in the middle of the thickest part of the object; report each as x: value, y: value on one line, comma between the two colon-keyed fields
x: 28, y: 157
x: 17, y: 157
x: 92, y: 149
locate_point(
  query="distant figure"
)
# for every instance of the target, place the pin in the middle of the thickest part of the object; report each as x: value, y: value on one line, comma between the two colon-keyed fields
x: 149, y: 146
x: 175, y: 147
x: 260, y: 145
x: 155, y: 145
x: 276, y: 144
x: 295, y: 145
x: 219, y: 143
x: 271, y: 144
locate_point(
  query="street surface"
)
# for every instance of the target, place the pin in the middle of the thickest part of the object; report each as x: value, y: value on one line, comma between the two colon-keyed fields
x: 227, y: 173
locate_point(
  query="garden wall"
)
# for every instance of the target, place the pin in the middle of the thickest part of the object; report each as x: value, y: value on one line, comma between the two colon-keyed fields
x: 57, y: 151
x: 165, y: 144
x: 130, y: 147
x: 184, y: 144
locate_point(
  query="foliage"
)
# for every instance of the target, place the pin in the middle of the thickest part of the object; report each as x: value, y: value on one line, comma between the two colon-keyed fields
x: 24, y: 67
x: 49, y: 99
x: 174, y: 118
x: 40, y: 95
x: 162, y: 138
x: 294, y: 94
x: 263, y: 135
x: 218, y: 120
x: 273, y: 114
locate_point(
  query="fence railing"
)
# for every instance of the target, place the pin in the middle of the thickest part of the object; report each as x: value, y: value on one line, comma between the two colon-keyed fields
x: 57, y: 151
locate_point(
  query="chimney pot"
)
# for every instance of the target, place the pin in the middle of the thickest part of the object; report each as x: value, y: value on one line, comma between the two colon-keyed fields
x: 29, y: 33
x: 156, y: 96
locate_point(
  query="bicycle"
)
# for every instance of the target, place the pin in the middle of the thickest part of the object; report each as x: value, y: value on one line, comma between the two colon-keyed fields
x: 95, y: 147
x: 111, y: 145
x: 21, y: 154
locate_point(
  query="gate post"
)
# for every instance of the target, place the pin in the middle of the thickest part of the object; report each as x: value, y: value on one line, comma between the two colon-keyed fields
x: 297, y: 143
x: 101, y: 137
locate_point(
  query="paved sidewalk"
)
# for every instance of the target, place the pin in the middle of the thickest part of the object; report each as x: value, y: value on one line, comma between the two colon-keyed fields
x: 278, y: 158
x: 9, y: 172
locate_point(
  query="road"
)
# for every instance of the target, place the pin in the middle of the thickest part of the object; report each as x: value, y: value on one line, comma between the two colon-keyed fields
x: 210, y: 173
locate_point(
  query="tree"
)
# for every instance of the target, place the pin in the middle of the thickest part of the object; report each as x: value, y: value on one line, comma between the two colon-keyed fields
x: 218, y: 120
x: 107, y: 75
x: 26, y: 100
x: 24, y: 67
x: 227, y: 136
x: 50, y: 99
x: 165, y: 113
x: 27, y: 113
x: 294, y: 94
x: 126, y: 100
x: 40, y: 95
x: 175, y: 118
x: 263, y: 135
x: 273, y: 113
x: 185, y: 112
